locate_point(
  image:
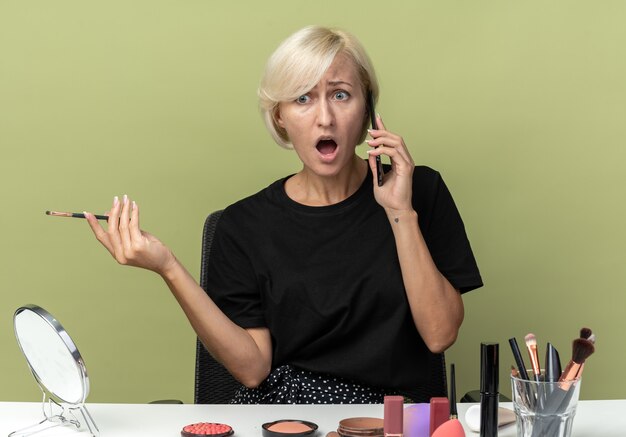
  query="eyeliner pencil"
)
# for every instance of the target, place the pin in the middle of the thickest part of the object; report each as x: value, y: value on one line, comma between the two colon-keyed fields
x: 517, y: 355
x: 75, y: 215
x: 527, y: 386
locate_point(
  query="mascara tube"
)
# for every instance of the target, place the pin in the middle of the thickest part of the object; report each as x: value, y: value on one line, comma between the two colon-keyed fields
x: 489, y: 389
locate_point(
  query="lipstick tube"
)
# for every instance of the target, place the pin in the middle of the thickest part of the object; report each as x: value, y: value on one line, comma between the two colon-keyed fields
x: 394, y: 416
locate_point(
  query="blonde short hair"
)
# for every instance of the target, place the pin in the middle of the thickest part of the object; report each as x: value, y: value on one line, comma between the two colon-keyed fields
x: 299, y: 63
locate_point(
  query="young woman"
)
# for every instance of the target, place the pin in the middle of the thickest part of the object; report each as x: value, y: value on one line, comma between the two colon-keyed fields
x: 324, y: 287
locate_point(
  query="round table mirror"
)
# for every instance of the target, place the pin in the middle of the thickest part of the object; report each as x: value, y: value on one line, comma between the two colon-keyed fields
x: 55, y: 363
x: 51, y: 354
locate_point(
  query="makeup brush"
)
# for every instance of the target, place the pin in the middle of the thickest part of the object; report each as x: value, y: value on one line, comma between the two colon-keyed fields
x: 559, y: 399
x: 585, y: 332
x: 74, y: 215
x: 531, y: 345
x: 452, y: 427
x: 514, y: 371
x: 588, y: 334
x: 517, y: 355
x: 582, y: 348
x: 453, y: 412
x: 521, y: 389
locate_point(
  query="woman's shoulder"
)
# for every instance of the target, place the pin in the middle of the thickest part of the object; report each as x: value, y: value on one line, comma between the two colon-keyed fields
x: 257, y: 204
x: 425, y: 172
x: 426, y: 178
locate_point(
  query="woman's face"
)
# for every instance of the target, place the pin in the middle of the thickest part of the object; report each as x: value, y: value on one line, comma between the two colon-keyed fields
x: 325, y: 124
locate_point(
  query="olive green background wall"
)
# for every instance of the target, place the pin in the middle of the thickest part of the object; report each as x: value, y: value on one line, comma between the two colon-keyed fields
x: 520, y: 105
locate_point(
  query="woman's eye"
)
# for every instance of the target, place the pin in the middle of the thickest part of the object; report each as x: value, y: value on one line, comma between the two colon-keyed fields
x: 341, y: 95
x: 303, y: 99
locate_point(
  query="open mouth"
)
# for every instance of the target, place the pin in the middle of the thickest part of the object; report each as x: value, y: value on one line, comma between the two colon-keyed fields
x: 326, y: 147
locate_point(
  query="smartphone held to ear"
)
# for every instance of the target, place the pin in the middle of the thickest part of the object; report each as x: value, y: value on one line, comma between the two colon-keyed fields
x: 379, y: 164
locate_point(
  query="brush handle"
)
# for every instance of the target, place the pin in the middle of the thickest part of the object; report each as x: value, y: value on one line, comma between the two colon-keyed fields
x: 571, y: 371
x: 521, y: 367
x: 98, y: 217
x: 453, y: 411
x: 543, y: 421
x: 556, y: 404
x: 517, y: 355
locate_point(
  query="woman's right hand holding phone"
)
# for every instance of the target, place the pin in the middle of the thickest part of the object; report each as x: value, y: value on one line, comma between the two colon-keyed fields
x: 127, y: 243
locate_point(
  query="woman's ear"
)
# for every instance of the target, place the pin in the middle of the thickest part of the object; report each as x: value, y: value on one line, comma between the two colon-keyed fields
x: 277, y: 117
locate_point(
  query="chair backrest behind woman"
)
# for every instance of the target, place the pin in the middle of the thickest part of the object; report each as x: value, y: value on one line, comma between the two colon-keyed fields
x: 213, y: 383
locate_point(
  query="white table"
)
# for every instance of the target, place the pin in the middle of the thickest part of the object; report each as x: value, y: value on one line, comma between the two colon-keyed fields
x: 593, y: 418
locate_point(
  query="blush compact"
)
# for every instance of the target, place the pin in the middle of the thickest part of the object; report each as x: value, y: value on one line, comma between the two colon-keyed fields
x: 204, y: 429
x: 361, y: 427
x: 289, y: 428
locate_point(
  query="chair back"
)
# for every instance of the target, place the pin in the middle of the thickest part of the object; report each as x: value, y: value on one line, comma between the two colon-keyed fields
x: 213, y: 383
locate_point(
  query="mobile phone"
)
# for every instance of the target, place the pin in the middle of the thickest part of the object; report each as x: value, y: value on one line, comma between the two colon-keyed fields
x: 379, y: 164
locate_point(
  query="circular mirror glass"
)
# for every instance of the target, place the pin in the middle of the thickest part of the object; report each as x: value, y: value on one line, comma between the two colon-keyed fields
x: 51, y: 354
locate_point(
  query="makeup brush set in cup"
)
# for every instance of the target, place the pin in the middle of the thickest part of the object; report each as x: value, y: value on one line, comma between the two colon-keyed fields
x: 545, y: 401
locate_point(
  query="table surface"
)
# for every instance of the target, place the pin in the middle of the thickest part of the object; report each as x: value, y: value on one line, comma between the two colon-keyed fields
x: 605, y: 418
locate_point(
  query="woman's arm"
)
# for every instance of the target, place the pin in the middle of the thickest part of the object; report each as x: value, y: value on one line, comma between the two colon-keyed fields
x: 246, y: 353
x: 436, y: 306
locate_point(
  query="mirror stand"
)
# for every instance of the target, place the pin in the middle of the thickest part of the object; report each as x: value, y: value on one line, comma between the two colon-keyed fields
x: 61, y: 415
x: 60, y: 372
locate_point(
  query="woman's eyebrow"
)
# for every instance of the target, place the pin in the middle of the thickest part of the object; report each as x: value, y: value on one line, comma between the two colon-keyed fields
x: 338, y: 82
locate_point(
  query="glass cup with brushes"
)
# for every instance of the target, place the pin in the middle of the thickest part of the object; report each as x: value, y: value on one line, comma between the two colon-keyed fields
x: 545, y: 403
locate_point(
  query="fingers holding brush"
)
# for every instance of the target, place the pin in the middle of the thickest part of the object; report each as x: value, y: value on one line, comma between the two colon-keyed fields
x: 125, y: 240
x: 124, y: 228
x: 99, y: 232
x: 141, y: 248
x: 104, y: 236
x: 113, y: 230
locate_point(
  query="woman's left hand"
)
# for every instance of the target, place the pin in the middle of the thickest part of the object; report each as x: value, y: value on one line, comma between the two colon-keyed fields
x: 396, y: 192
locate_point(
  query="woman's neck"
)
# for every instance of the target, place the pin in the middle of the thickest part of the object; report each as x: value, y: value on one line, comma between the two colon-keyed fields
x: 308, y: 188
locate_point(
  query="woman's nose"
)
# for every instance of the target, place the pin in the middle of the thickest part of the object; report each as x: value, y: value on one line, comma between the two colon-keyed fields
x: 325, y: 113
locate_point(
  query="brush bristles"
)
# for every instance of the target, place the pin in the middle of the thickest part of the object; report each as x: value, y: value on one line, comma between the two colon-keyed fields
x: 581, y: 350
x: 531, y: 340
x: 585, y: 332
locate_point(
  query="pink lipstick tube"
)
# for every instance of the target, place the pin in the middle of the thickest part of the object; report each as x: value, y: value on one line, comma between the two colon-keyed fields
x: 394, y: 416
